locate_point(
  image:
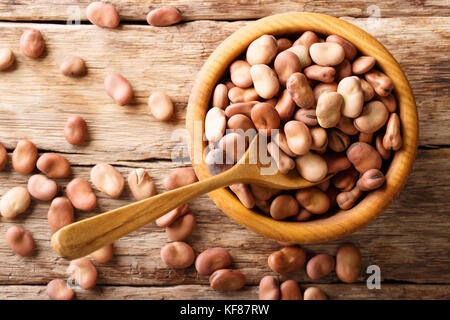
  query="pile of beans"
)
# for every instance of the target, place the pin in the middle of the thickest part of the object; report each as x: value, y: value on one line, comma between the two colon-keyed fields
x: 324, y: 108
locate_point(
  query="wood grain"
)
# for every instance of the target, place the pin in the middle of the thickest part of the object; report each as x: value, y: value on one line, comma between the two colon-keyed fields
x: 136, y: 10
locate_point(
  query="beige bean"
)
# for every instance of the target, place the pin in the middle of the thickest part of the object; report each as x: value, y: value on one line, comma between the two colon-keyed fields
x: 73, y: 67
x: 211, y: 260
x: 83, y: 272
x: 265, y: 118
x: 311, y: 166
x: 380, y: 82
x: 313, y: 199
x: 103, y: 14
x: 337, y: 140
x: 20, y: 241
x: 6, y: 58
x: 283, y: 44
x: 262, y: 50
x: 54, y: 165
x: 319, y: 138
x: 220, y: 96
x: 265, y: 81
x: 215, y: 124
x: 60, y: 213
x: 372, y: 118
x: 345, y: 180
x: 227, y: 280
x: 161, y: 106
x: 290, y: 290
x: 178, y: 255
x: 288, y: 259
x: 179, y: 177
x: 348, y: 263
x: 269, y: 288
x: 181, y: 228
x: 384, y: 153
x: 389, y: 102
x: 307, y: 116
x: 367, y: 89
x: 346, y: 200
x: 319, y: 266
x: 363, y: 64
x: 313, y: 293
x: 81, y: 195
x: 283, y: 161
x: 327, y: 53
x: 14, y: 202
x: 244, y: 108
x: 3, y: 157
x: 32, y: 43
x: 283, y: 206
x: 240, y: 122
x: 371, y: 179
x: 118, y: 88
x: 364, y: 157
x: 300, y: 91
x: 141, y: 185
x: 164, y: 16
x: 263, y: 193
x: 75, y: 130
x: 393, y: 139
x: 57, y: 289
x: 322, y: 88
x: 346, y: 126
x: 237, y: 95
x: 303, y: 215
x: 170, y: 217
x: 307, y: 39
x: 349, y: 48
x: 104, y: 254
x: 240, y: 74
x: 302, y: 54
x: 244, y: 195
x: 281, y: 141
x: 286, y: 63
x: 298, y: 137
x: 234, y: 145
x: 351, y: 91
x: 24, y: 157
x: 343, y: 70
x: 328, y: 109
x: 107, y: 179
x: 41, y: 187
x: 336, y: 161
x: 319, y: 73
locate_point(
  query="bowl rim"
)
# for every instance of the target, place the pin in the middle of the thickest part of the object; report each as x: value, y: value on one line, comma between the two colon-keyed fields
x: 342, y: 222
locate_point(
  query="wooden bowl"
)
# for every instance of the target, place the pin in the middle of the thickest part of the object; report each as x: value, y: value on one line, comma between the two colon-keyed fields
x: 342, y: 222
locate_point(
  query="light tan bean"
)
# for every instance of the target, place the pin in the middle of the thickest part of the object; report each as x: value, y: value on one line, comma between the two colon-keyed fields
x: 336, y: 161
x: 215, y: 124
x: 313, y: 293
x: 351, y: 91
x: 328, y: 109
x: 83, y: 272
x: 363, y: 64
x: 281, y: 141
x: 319, y: 266
x: 118, y: 88
x: 237, y: 95
x: 220, y: 96
x: 3, y: 157
x: 265, y: 81
x: 349, y: 48
x: 384, y: 153
x: 346, y: 200
x: 346, y: 126
x: 283, y: 161
x: 393, y: 139
x: 311, y: 166
x: 164, y: 16
x: 240, y: 122
x: 161, y: 106
x: 343, y: 70
x: 298, y: 137
x: 41, y: 187
x: 300, y: 91
x: 307, y: 39
x: 262, y: 50
x: 104, y: 254
x: 380, y: 82
x: 170, y: 217
x: 227, y: 280
x: 322, y: 88
x: 60, y: 213
x: 265, y: 118
x: 345, y: 180
x: 179, y: 177
x: 372, y: 118
x: 54, y: 165
x: 81, y: 195
x: 320, y: 73
x: 32, y: 43
x: 319, y: 138
x: 283, y: 44
x: 364, y: 157
x: 286, y: 63
x: 327, y: 54
x: 290, y: 290
x: 234, y: 145
x: 244, y: 108
x: 263, y: 193
x: 367, y: 90
x: 288, y: 259
x: 244, y: 195
x: 24, y: 157
x: 73, y: 67
x: 6, y: 58
x: 141, y: 185
x: 302, y: 54
x: 337, y: 140
x: 75, y: 130
x: 283, y: 206
x: 102, y: 14
x: 307, y: 116
x: 107, y: 179
x: 389, y: 102
x: 14, y: 202
x: 211, y: 260
x: 371, y: 179
x: 313, y: 199
x: 269, y: 288
x: 181, y: 228
x: 240, y: 74
x: 178, y: 255
x: 348, y: 263
x: 20, y: 241
x: 57, y: 289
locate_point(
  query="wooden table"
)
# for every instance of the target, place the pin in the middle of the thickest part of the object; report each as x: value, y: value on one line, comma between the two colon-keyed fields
x: 409, y: 242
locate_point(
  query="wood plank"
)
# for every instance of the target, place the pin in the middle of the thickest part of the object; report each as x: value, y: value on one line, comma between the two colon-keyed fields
x: 136, y: 10
x: 36, y: 98
x: 409, y: 242
x: 195, y: 292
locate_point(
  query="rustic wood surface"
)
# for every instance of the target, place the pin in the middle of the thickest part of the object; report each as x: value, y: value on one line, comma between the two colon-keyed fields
x: 410, y: 241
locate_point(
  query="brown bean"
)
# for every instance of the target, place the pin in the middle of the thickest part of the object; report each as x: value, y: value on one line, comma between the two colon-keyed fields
x: 380, y: 82
x: 372, y: 118
x: 384, y: 153
x: 32, y: 43
x: 179, y: 177
x: 351, y: 91
x: 300, y: 90
x: 283, y: 206
x: 302, y: 54
x: 363, y: 64
x: 164, y: 16
x: 324, y: 185
x: 6, y: 58
x: 215, y: 124
x: 290, y: 290
x: 20, y: 241
x: 322, y: 88
x: 60, y: 213
x: 346, y: 126
x: 337, y: 140
x: 281, y: 141
x: 75, y: 130
x: 54, y: 165
x: 107, y: 179
x: 161, y: 106
x: 234, y: 145
x: 227, y: 280
x: 41, y: 187
x: 240, y: 122
x: 314, y: 200
x: 346, y: 200
x: 240, y: 74
x: 303, y: 215
x: 327, y: 53
x: 181, y: 228
x: 263, y: 193
x: 73, y: 67
x: 263, y: 205
x: 102, y: 14
x: 81, y: 195
x: 345, y: 180
x: 307, y: 39
x: 367, y: 90
x: 313, y: 293
x: 244, y: 108
x: 118, y: 88
x: 170, y: 217
x: 393, y: 139
x: 14, y: 202
x: 348, y: 263
x: 320, y: 73
x: 389, y: 102
x: 328, y: 109
x: 57, y: 289
x: 364, y: 157
x: 237, y: 95
x: 343, y: 70
x: 286, y: 63
x: 336, y: 161
x: 319, y: 266
x: 3, y: 157
x: 104, y: 254
x: 141, y: 185
x: 332, y: 193
x: 298, y: 137
x: 349, y: 48
x: 307, y: 116
x: 269, y: 288
x: 220, y: 96
x: 311, y: 166
x: 283, y: 161
x: 83, y: 272
x: 265, y: 81
x: 178, y: 255
x: 265, y: 118
x: 211, y: 260
x: 319, y: 138
x: 283, y: 44
x: 244, y: 195
x: 24, y: 157
x: 288, y: 259
x: 262, y: 50
x: 371, y: 179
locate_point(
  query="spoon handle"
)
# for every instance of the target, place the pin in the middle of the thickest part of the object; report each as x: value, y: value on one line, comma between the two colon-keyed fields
x: 81, y: 238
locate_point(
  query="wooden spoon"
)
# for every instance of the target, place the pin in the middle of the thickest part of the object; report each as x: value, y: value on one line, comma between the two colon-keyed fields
x: 81, y: 238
